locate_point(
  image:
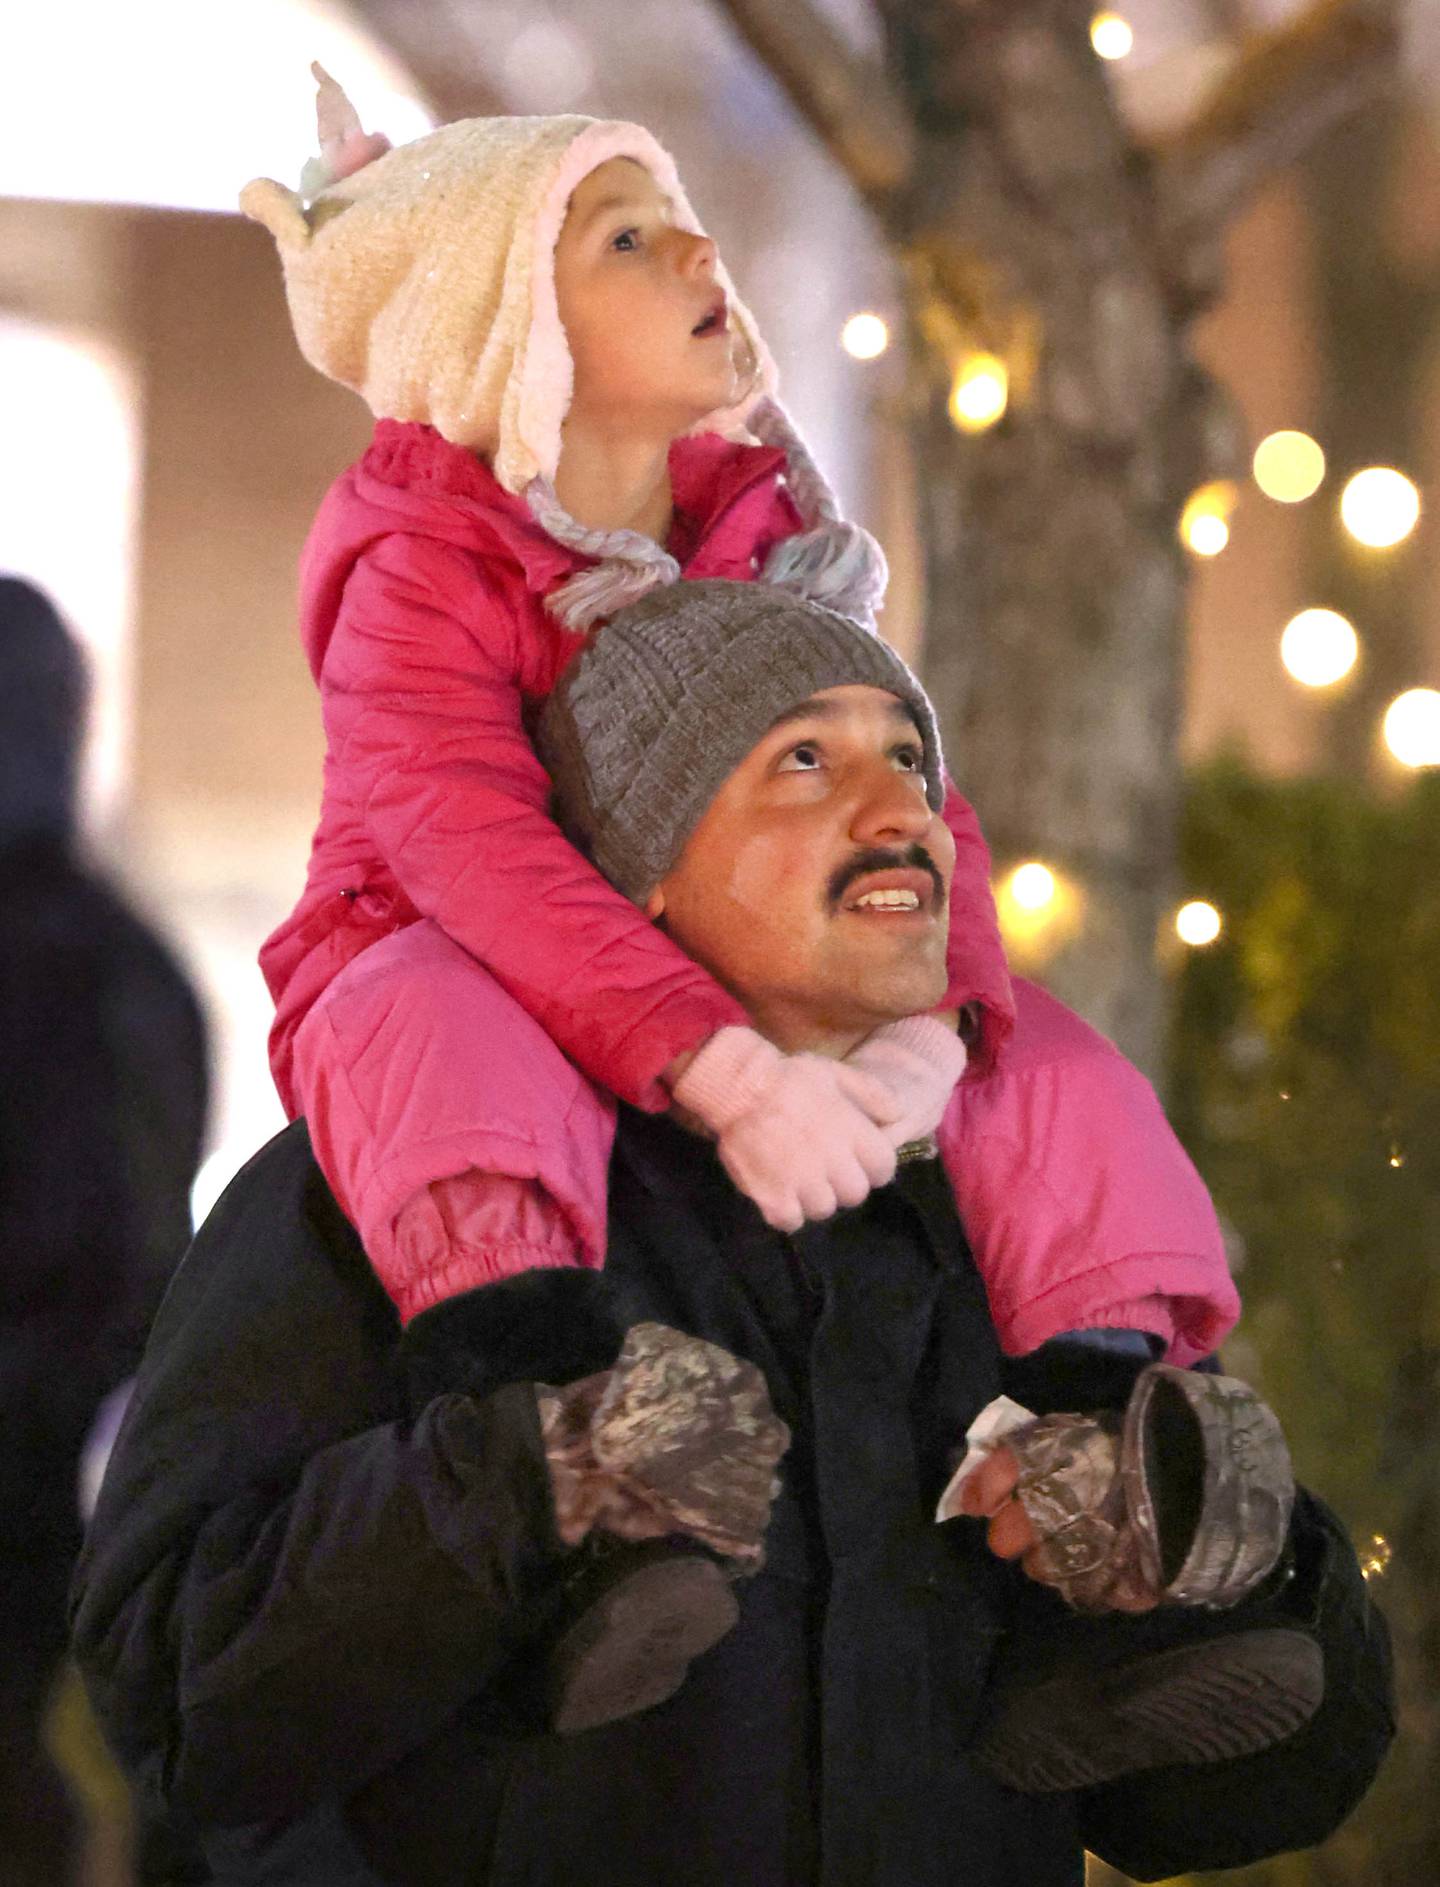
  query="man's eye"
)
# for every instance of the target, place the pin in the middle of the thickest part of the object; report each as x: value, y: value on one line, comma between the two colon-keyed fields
x: 801, y: 759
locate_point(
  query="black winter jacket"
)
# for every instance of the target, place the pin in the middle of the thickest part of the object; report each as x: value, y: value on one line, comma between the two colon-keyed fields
x: 324, y: 1562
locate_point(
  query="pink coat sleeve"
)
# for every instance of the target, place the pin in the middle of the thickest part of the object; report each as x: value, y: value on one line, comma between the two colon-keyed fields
x: 426, y: 668
x: 1080, y: 1204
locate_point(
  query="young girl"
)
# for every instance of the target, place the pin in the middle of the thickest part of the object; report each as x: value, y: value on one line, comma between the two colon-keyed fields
x: 561, y: 373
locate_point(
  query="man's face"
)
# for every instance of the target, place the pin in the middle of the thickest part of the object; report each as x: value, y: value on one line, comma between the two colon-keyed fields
x: 816, y: 887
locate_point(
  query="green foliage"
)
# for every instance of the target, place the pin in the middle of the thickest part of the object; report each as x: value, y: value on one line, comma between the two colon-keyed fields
x: 1306, y: 1083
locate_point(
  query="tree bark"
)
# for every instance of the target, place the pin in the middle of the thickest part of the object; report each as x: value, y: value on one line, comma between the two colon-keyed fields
x: 1056, y: 582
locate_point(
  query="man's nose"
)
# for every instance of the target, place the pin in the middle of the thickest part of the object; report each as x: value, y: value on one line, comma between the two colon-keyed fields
x: 891, y: 806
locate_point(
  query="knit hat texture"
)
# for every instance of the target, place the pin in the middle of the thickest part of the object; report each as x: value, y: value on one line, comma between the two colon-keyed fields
x: 425, y: 280
x: 670, y: 696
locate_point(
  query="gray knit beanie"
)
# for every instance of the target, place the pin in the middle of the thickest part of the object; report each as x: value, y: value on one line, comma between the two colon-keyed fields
x: 655, y: 715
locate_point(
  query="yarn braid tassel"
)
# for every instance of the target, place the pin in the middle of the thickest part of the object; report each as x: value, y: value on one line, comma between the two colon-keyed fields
x: 630, y: 566
x: 832, y: 562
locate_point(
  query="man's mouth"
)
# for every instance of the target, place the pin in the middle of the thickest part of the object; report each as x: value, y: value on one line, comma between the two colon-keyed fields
x: 714, y: 322
x: 889, y: 884
x: 891, y: 893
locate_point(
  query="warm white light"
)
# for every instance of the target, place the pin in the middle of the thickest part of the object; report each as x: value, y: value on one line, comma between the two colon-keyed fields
x: 1412, y: 727
x: 1375, y: 1560
x: 1032, y: 886
x: 864, y: 336
x: 1197, y: 923
x: 1205, y: 521
x: 981, y: 392
x: 1319, y: 647
x: 1041, y: 913
x: 178, y: 105
x: 1379, y: 507
x: 1289, y: 467
x: 1112, y: 35
x: 1208, y: 536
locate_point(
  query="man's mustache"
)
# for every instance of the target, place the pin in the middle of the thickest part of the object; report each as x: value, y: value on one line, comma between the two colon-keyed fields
x: 912, y: 858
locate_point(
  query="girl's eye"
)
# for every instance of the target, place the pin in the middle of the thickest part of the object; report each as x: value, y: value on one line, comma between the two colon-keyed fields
x: 908, y: 759
x: 627, y: 241
x: 802, y: 759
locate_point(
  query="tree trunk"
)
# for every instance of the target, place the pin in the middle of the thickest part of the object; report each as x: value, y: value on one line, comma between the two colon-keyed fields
x: 1056, y: 583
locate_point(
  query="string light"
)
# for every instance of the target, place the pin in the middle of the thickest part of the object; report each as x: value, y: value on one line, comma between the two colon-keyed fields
x: 1319, y: 647
x: 1197, y: 923
x: 1379, y: 507
x: 1412, y: 727
x: 980, y: 393
x: 1375, y: 1560
x: 1205, y: 521
x: 1289, y: 467
x: 865, y: 336
x: 1041, y: 912
x: 1112, y: 35
x: 1032, y: 886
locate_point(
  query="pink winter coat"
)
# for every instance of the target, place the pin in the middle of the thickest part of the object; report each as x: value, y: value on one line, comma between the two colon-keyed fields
x: 423, y: 622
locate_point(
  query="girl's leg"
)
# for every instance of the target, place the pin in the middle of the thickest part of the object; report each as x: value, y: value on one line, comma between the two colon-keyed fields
x: 455, y: 1135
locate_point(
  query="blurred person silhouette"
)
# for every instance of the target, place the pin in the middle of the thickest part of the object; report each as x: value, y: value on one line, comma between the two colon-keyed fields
x: 102, y: 1111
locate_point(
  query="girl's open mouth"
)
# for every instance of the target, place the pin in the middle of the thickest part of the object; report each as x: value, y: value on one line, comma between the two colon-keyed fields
x: 715, y: 321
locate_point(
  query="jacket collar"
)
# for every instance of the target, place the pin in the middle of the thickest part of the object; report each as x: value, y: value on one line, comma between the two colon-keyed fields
x: 708, y: 476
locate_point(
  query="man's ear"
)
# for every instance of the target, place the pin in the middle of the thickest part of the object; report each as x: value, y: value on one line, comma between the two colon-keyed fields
x: 655, y: 904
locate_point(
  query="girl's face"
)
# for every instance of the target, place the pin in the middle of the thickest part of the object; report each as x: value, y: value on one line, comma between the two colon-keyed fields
x: 649, y: 331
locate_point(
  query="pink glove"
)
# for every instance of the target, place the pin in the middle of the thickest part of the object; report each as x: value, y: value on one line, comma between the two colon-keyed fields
x: 919, y: 1060
x: 798, y: 1134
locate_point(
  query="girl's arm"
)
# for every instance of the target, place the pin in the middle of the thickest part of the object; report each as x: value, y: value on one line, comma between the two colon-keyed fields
x: 428, y: 665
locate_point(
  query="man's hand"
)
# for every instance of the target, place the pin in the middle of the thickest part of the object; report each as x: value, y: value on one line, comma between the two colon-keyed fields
x: 990, y: 1493
x: 679, y: 1437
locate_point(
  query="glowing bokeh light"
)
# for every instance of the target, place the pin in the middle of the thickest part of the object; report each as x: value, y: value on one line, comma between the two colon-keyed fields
x: 1319, y: 647
x: 981, y: 392
x: 864, y: 336
x: 1207, y: 536
x: 1379, y: 507
x: 1112, y: 35
x: 1205, y: 521
x: 1289, y: 467
x: 1412, y: 727
x: 1375, y: 1560
x: 1032, y: 886
x: 1197, y: 923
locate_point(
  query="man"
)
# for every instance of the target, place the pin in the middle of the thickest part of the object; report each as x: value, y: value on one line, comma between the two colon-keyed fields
x: 102, y: 1107
x: 337, y: 1574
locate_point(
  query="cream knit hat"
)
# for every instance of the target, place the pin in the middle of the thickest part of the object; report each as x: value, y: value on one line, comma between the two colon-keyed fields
x: 425, y: 281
